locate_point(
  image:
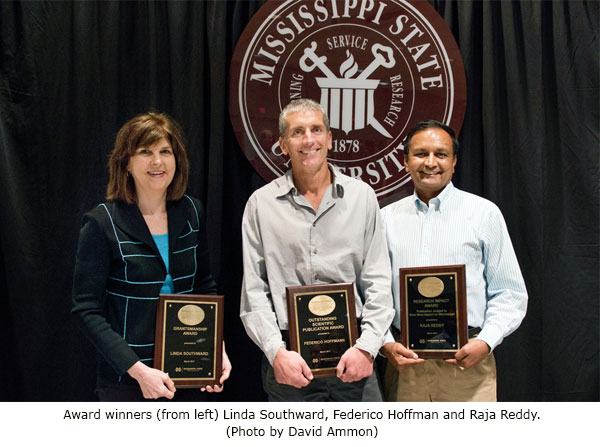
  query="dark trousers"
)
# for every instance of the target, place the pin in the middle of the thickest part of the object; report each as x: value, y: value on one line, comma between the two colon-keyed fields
x: 129, y: 392
x: 320, y: 389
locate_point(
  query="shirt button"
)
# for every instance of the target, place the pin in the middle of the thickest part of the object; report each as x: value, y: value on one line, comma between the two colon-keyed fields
x: 315, y: 251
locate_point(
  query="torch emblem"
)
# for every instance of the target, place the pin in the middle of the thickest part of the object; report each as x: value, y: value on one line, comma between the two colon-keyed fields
x: 348, y: 100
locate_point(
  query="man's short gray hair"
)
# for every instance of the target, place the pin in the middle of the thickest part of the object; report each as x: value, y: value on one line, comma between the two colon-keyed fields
x: 300, y: 105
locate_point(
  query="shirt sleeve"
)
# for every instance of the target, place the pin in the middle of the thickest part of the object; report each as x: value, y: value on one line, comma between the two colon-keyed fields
x: 256, y: 307
x: 375, y: 282
x: 388, y: 337
x: 506, y: 293
x: 92, y: 267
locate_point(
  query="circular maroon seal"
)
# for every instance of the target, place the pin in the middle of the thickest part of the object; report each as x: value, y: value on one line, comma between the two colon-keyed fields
x: 377, y: 67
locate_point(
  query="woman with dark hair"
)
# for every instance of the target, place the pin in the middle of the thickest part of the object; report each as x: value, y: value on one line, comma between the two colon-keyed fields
x: 148, y: 238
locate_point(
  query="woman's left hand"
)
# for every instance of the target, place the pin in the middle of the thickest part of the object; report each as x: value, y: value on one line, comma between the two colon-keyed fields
x: 226, y: 370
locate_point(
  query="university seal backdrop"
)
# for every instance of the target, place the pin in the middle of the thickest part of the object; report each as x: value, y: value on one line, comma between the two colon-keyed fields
x: 377, y: 67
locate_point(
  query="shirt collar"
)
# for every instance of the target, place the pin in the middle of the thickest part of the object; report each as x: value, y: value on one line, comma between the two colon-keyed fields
x: 438, y: 202
x: 285, y: 183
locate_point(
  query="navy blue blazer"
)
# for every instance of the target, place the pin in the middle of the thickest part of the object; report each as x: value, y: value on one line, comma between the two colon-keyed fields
x: 119, y: 273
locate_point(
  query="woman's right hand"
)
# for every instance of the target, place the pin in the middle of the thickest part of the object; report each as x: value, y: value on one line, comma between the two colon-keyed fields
x: 153, y: 382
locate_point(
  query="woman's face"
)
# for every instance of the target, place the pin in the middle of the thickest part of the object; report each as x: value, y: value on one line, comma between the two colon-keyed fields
x: 152, y: 168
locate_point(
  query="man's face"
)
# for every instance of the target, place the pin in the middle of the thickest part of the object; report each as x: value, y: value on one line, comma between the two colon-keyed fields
x: 306, y: 141
x: 430, y: 162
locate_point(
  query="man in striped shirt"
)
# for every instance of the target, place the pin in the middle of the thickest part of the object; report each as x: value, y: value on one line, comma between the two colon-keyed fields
x: 442, y: 225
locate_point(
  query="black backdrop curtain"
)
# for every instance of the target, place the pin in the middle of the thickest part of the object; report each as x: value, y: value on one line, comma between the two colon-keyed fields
x: 71, y: 73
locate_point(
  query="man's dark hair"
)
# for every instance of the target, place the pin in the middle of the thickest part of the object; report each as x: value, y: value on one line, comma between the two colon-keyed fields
x: 429, y: 124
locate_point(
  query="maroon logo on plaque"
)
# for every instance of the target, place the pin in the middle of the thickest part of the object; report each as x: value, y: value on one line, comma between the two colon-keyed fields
x: 377, y: 67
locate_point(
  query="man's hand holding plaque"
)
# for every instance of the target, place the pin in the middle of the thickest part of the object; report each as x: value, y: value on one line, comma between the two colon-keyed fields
x: 291, y: 369
x: 354, y: 365
x: 399, y: 355
x: 471, y: 354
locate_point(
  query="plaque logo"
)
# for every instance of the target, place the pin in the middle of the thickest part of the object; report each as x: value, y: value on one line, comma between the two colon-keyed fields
x: 321, y: 305
x: 376, y: 67
x: 191, y: 315
x: 431, y: 287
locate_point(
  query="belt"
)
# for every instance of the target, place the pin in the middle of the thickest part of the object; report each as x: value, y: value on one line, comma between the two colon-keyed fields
x: 472, y: 331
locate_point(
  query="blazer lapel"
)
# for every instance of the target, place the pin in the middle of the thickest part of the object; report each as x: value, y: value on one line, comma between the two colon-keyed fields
x: 129, y: 218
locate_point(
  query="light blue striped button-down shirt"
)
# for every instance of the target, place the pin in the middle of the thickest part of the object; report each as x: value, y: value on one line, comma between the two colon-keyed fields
x: 460, y: 228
